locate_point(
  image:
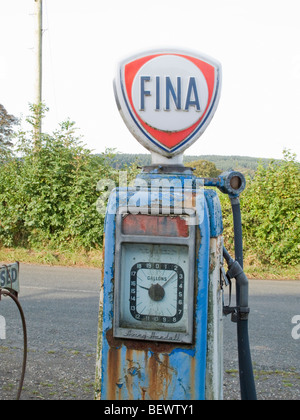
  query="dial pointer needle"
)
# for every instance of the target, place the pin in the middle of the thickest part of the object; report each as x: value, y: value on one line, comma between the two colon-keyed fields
x: 164, y: 285
x: 142, y: 287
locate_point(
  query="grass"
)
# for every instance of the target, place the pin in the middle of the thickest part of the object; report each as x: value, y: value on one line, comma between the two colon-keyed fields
x: 254, y: 269
x: 94, y: 258
x: 78, y: 258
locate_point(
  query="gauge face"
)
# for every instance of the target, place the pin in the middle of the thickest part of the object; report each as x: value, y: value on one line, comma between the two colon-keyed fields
x: 157, y: 292
x: 154, y: 287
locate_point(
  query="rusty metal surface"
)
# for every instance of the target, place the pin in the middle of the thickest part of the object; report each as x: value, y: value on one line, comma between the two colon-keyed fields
x: 148, y: 371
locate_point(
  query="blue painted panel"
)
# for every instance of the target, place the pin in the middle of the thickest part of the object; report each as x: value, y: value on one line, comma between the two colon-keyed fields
x: 133, y: 369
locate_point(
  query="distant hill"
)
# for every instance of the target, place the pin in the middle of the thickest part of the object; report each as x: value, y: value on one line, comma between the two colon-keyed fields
x: 245, y: 164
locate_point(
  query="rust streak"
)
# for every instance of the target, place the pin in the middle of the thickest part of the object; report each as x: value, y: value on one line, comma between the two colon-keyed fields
x: 129, y: 377
x: 193, y: 378
x: 160, y: 377
x: 143, y: 391
x: 167, y: 376
x: 153, y: 378
x: 113, y: 392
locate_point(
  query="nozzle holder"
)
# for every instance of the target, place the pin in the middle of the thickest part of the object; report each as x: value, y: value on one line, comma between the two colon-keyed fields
x: 233, y: 183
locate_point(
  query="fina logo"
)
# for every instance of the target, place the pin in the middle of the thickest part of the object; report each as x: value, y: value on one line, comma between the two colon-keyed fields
x: 167, y: 99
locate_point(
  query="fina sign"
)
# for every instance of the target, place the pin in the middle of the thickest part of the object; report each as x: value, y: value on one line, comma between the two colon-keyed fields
x: 168, y: 98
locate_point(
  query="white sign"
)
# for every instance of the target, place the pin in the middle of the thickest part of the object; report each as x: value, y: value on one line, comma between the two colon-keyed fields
x: 9, y: 277
x: 168, y: 98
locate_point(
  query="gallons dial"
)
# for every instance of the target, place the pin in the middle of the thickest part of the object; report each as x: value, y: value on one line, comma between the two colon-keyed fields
x: 157, y: 292
x: 154, y: 287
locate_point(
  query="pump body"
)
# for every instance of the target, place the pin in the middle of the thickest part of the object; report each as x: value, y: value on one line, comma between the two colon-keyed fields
x: 162, y: 355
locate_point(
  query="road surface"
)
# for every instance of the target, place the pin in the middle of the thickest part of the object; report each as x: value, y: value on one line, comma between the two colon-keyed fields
x: 61, y: 309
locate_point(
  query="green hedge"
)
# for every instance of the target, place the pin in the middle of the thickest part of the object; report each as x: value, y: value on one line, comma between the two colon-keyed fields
x: 48, y: 197
x: 48, y: 194
x: 270, y: 213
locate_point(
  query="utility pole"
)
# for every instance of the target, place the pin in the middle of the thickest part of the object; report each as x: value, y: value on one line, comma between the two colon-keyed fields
x: 38, y: 5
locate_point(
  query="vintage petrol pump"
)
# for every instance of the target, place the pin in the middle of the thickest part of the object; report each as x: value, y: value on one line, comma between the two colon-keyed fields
x: 161, y: 309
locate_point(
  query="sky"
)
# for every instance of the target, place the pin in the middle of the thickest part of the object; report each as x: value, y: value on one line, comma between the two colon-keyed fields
x: 256, y: 41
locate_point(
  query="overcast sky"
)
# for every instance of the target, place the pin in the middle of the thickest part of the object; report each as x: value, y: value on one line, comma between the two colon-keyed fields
x: 256, y: 41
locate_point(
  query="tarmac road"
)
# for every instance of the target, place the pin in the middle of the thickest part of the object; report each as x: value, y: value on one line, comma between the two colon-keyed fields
x: 61, y: 309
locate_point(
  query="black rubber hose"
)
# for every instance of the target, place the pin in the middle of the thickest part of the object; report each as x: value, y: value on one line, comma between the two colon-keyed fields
x: 7, y: 293
x: 247, y: 383
x: 238, y: 234
x: 227, y: 257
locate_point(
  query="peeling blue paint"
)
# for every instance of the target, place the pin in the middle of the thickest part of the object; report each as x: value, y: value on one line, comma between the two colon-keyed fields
x: 190, y: 352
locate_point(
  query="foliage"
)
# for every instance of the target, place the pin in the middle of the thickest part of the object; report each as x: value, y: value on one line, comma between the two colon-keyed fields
x: 48, y: 196
x: 6, y: 131
x: 270, y: 211
x: 204, y: 168
x: 246, y: 164
x: 50, y: 193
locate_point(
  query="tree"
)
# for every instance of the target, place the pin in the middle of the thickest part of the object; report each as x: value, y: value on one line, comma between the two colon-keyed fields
x: 7, y: 122
x: 204, y: 168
